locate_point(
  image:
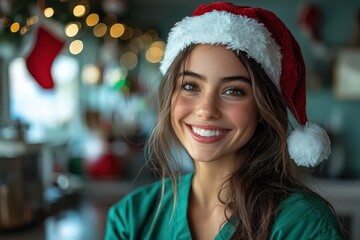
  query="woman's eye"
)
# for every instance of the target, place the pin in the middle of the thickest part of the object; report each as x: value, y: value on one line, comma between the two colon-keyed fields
x: 234, y: 92
x: 189, y: 87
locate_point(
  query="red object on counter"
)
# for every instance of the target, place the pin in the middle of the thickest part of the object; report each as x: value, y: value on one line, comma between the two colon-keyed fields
x: 104, y: 166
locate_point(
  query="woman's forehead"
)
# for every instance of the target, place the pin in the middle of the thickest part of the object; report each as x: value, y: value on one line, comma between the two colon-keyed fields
x: 214, y: 59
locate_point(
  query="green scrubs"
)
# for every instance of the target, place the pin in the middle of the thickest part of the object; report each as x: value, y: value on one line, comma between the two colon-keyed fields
x: 133, y: 217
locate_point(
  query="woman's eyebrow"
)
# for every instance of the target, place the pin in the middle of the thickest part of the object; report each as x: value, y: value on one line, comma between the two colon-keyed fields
x: 191, y: 74
x: 236, y: 78
x: 224, y: 79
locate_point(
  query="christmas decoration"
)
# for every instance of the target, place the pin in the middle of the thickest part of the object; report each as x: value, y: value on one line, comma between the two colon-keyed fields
x: 310, y: 21
x: 47, y: 47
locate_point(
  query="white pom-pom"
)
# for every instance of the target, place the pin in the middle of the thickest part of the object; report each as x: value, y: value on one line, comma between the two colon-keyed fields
x: 308, y: 145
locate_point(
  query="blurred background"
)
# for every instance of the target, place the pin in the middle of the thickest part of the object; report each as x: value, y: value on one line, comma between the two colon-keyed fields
x: 78, y: 82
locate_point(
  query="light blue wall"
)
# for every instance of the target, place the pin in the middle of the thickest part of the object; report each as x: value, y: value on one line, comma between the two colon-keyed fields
x: 325, y: 109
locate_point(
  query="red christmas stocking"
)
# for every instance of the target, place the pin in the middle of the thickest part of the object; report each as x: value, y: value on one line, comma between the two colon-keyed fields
x: 47, y: 47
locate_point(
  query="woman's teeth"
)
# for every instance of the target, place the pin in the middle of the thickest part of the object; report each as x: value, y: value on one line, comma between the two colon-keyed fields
x: 207, y: 133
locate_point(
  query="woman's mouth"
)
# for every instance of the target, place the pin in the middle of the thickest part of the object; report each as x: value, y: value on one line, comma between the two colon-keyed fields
x: 207, y: 135
x: 206, y: 132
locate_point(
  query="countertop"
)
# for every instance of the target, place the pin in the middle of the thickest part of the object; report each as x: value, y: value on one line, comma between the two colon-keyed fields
x: 75, y: 216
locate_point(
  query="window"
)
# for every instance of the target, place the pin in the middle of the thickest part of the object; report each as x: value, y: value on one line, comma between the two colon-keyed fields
x: 44, y: 110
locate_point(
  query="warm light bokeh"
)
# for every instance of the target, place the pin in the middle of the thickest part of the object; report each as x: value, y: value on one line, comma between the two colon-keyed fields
x: 76, y: 47
x: 49, y: 12
x: 92, y: 19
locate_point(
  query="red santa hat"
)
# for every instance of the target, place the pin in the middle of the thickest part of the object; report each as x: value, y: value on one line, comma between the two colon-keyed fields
x: 265, y: 38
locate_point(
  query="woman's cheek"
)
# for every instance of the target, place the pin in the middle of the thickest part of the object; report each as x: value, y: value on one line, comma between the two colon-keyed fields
x: 242, y: 113
x: 182, y: 104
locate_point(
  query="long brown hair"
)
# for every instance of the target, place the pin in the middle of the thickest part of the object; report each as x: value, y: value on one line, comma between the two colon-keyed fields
x: 267, y: 175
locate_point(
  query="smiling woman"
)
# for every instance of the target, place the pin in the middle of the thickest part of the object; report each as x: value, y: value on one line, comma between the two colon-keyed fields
x: 214, y: 113
x: 231, y: 74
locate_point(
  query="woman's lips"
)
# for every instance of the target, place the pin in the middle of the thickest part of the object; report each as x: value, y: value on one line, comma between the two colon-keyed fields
x: 207, y: 134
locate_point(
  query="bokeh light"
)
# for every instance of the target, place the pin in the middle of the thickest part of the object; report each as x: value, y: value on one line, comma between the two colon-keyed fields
x: 155, y: 52
x: 115, y: 74
x: 91, y: 74
x: 72, y: 29
x: 76, y: 47
x: 15, y: 27
x: 152, y: 33
x: 100, y: 30
x: 49, y: 12
x: 24, y: 30
x: 32, y: 20
x: 129, y: 60
x: 92, y: 19
x: 117, y: 30
x: 79, y: 10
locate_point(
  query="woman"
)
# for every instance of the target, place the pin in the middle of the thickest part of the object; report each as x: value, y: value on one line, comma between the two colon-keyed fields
x: 230, y: 75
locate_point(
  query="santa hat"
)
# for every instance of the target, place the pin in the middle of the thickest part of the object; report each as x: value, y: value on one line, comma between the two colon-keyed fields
x: 264, y: 37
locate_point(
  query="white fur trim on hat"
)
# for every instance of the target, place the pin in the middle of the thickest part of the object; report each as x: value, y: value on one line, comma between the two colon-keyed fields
x: 309, y: 145
x: 235, y: 31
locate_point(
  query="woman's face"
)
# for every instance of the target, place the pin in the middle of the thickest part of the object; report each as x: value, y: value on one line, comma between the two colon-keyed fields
x: 213, y: 111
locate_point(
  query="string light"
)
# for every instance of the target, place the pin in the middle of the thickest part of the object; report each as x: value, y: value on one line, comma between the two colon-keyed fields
x: 152, y: 33
x: 92, y: 19
x: 156, y: 51
x: 15, y: 27
x: 79, y: 10
x: 72, y: 29
x: 32, y: 20
x: 4, y: 22
x: 76, y: 47
x: 137, y: 40
x: 91, y: 74
x: 117, y: 30
x: 129, y: 60
x: 23, y: 30
x: 100, y: 29
x: 49, y: 12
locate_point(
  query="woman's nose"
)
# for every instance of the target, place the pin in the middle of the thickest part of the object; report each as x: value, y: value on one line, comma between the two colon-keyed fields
x: 207, y: 107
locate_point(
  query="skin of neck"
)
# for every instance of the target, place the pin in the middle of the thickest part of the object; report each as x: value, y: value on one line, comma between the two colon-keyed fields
x: 207, y: 181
